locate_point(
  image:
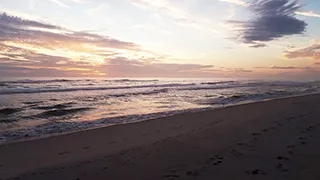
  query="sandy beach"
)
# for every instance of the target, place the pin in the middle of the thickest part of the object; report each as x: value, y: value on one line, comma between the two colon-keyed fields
x: 276, y: 139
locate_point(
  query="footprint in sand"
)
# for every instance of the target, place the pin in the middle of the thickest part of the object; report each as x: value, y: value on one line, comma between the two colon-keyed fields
x: 170, y: 176
x: 215, y: 160
x: 282, y: 158
x: 256, y: 172
x: 236, y: 153
x: 290, y: 149
x: 282, y: 168
x: 192, y: 173
x: 256, y: 134
x: 291, y: 152
x: 309, y: 128
x: 291, y: 146
x: 217, y: 163
x: 302, y: 138
x: 64, y: 153
x: 173, y: 171
x: 241, y: 144
x: 86, y: 147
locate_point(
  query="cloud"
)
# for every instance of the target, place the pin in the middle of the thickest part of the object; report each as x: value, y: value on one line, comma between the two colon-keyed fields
x: 35, y: 48
x: 178, y: 15
x: 58, y: 2
x: 308, y: 13
x: 79, y: 1
x: 281, y: 67
x: 246, y: 4
x: 36, y: 44
x: 7, y: 21
x: 119, y: 67
x: 122, y: 67
x: 312, y: 52
x: 272, y: 19
x: 97, y: 10
x: 258, y: 45
x: 152, y: 28
x: 167, y: 8
x: 235, y: 70
x: 51, y: 39
x: 238, y: 2
x: 291, y: 72
x: 38, y: 72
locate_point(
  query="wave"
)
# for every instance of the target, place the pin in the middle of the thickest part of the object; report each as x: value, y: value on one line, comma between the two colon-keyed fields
x: 2, y: 84
x: 251, y: 97
x: 29, y: 81
x: 132, y: 80
x: 40, y: 90
x: 53, y: 127
x: 215, y: 87
x: 239, y: 84
x: 56, y: 106
x: 62, y: 112
x: 218, y: 82
x: 152, y: 92
x: 8, y: 111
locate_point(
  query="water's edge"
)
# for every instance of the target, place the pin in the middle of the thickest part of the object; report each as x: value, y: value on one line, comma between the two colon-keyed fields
x: 137, y: 119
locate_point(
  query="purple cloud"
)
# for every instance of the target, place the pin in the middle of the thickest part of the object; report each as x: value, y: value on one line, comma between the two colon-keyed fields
x: 272, y: 19
x: 17, y: 29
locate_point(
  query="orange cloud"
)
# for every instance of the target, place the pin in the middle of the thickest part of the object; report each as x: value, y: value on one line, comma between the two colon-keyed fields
x: 31, y: 48
x: 312, y: 52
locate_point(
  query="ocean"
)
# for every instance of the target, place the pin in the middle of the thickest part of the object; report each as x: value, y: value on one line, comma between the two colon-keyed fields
x: 44, y: 106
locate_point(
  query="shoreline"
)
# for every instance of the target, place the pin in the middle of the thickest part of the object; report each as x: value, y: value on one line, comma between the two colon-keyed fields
x: 151, y: 119
x: 156, y: 118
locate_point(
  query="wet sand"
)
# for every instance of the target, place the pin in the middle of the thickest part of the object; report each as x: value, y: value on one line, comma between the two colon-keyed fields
x: 277, y: 139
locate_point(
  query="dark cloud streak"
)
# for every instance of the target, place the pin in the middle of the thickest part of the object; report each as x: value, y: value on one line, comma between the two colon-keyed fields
x: 272, y: 19
x: 19, y: 22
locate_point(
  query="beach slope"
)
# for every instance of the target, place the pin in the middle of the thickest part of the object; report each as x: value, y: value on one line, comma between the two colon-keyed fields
x: 276, y: 139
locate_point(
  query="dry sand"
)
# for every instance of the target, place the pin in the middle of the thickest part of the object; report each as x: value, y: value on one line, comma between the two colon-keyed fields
x: 277, y: 139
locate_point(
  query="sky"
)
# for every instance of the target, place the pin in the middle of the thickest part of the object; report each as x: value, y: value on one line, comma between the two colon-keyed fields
x: 160, y: 38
